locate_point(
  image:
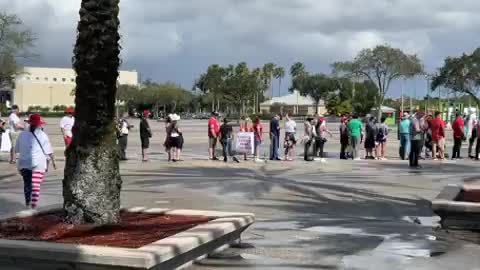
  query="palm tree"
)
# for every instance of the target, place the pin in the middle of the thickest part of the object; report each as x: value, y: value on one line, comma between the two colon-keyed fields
x: 92, y: 183
x: 268, y: 70
x: 279, y: 74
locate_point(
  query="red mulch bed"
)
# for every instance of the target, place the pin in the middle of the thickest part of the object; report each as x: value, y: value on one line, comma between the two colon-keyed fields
x: 469, y: 196
x: 134, y: 230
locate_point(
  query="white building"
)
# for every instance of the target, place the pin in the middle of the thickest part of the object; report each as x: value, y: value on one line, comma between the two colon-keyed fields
x: 48, y: 87
x: 294, y: 104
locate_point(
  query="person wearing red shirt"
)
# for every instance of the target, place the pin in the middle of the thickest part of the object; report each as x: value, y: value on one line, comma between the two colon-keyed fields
x: 438, y: 136
x: 258, y: 137
x: 458, y: 136
x: 213, y: 133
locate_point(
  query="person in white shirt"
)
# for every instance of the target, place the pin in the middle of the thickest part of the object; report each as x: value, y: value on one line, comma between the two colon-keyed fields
x: 123, y: 130
x: 35, y: 151
x: 15, y: 125
x: 66, y: 126
x: 290, y: 140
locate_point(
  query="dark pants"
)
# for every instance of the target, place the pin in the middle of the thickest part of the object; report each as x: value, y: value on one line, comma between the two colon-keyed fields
x: 27, y: 185
x: 275, y: 146
x: 122, y: 143
x: 477, y: 149
x: 415, y: 151
x: 471, y: 143
x: 306, y: 153
x: 227, y: 148
x: 457, y: 146
x: 343, y: 150
x: 319, y: 146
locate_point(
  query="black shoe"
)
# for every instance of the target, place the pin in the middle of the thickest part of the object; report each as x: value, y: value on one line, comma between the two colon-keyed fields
x: 214, y: 158
x: 236, y: 160
x: 225, y: 160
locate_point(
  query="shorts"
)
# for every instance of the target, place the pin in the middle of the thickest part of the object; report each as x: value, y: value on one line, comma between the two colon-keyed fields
x: 13, y: 139
x: 440, y: 142
x: 290, y: 137
x: 145, y: 142
x: 212, y: 142
x: 176, y: 142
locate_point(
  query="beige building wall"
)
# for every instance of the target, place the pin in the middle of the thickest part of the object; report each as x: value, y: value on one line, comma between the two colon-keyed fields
x: 48, y: 87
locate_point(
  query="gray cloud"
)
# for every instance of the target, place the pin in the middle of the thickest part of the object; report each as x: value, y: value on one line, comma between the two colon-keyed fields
x: 177, y: 39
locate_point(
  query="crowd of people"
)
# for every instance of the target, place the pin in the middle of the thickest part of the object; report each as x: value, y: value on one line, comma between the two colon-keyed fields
x: 421, y: 136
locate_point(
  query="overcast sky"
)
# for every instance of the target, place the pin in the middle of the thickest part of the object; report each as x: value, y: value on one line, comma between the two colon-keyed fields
x: 177, y: 39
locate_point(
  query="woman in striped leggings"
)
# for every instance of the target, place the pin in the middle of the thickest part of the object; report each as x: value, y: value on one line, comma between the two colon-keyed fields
x: 35, y: 150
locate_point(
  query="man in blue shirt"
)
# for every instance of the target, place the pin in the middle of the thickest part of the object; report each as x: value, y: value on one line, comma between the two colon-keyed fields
x: 404, y: 136
x: 275, y: 137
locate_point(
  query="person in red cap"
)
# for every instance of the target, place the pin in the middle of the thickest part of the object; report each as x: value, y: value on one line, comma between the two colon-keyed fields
x: 35, y: 153
x: 145, y: 134
x: 66, y: 126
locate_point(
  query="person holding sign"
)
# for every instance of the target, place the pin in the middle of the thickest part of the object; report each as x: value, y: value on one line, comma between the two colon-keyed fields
x: 246, y: 127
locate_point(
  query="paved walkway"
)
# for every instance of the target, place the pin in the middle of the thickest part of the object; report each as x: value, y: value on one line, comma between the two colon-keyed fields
x: 337, y: 215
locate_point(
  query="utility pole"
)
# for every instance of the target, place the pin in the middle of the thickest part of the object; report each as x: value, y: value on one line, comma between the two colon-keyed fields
x: 401, y: 89
x: 428, y: 94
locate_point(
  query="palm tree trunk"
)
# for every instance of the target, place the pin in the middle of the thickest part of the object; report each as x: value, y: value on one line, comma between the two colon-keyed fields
x: 279, y: 86
x: 92, y: 183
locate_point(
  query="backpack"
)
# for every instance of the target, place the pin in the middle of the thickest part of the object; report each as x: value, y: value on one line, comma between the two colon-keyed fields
x: 382, y: 132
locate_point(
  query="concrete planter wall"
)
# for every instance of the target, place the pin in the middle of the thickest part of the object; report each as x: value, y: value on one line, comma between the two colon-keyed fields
x: 168, y: 253
x: 457, y: 214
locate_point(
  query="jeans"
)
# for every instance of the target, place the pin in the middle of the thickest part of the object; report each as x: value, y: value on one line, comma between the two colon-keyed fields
x: 457, y: 148
x: 275, y: 146
x: 404, y: 145
x: 306, y: 153
x: 415, y: 151
x: 27, y: 185
x: 319, y: 146
x: 122, y: 143
x: 227, y: 148
x: 355, y: 141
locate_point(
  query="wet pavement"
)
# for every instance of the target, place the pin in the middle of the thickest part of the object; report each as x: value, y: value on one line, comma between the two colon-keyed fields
x: 334, y: 215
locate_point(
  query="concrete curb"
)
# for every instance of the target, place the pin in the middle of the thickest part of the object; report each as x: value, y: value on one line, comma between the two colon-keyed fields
x: 168, y: 253
x: 456, y: 214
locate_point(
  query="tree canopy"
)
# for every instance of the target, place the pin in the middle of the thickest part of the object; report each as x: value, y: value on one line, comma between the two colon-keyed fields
x: 165, y: 97
x: 16, y: 41
x: 238, y: 88
x: 460, y: 74
x: 381, y: 65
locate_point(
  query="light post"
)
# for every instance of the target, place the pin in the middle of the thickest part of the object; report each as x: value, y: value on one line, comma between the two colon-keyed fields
x: 51, y: 95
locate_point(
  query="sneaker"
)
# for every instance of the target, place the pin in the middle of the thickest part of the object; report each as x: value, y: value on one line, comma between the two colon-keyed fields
x: 357, y: 159
x: 435, y: 159
x: 236, y: 160
x: 323, y: 160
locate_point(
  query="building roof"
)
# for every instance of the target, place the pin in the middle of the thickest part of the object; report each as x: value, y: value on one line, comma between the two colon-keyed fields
x: 292, y: 99
x: 386, y: 109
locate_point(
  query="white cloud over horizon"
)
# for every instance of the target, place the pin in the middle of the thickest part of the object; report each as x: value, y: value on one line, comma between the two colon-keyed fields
x: 177, y: 39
